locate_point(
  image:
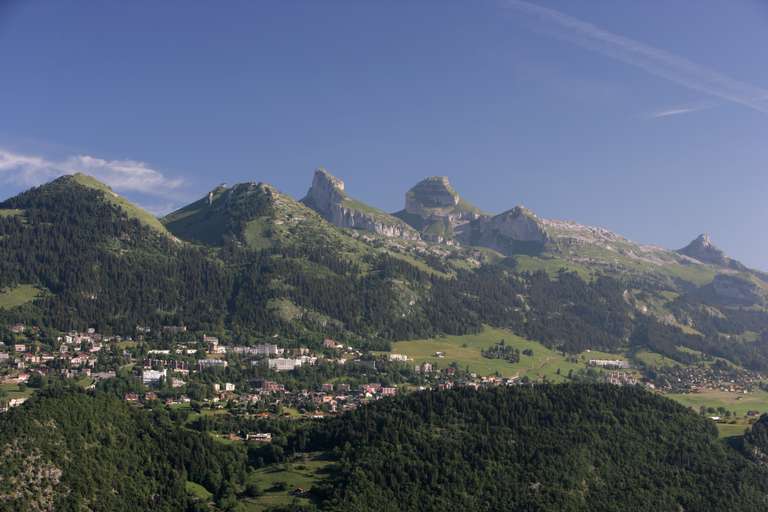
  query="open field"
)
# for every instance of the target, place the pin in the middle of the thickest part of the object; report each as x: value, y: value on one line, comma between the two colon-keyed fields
x: 13, y: 391
x: 740, y: 403
x: 731, y: 430
x: 465, y: 351
x: 301, y: 473
x: 655, y: 359
x: 18, y: 296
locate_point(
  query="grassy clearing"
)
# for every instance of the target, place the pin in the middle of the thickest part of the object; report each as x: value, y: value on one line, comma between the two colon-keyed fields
x: 465, y: 351
x: 9, y: 212
x: 198, y: 491
x: 550, y: 265
x: 731, y: 429
x: 737, y: 402
x: 655, y: 359
x: 301, y: 473
x: 18, y: 296
x: 13, y: 391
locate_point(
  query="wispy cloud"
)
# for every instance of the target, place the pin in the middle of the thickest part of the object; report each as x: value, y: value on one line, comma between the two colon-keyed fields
x: 651, y: 59
x: 676, y: 111
x: 122, y: 175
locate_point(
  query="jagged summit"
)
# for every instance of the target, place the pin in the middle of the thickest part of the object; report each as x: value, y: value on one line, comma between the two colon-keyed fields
x: 702, y: 249
x: 328, y: 197
x: 326, y: 190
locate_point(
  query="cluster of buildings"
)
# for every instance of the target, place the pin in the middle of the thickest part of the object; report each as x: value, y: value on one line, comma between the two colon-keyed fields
x: 706, y: 377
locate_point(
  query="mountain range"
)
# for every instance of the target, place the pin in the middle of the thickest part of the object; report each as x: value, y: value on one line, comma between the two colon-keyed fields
x: 248, y: 260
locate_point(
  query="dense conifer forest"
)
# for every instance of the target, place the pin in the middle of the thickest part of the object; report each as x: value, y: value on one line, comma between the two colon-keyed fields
x: 573, y: 447
x: 542, y: 448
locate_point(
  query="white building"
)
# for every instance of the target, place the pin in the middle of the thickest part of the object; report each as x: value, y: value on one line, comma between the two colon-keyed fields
x: 282, y: 364
x: 152, y: 377
x: 202, y: 364
x: 609, y: 363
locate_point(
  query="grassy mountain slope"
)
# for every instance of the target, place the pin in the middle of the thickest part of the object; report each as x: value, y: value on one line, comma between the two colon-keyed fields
x: 131, y: 210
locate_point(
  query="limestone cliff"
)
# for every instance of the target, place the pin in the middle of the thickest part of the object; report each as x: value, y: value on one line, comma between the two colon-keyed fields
x: 434, y: 208
x: 328, y: 197
x: 517, y: 230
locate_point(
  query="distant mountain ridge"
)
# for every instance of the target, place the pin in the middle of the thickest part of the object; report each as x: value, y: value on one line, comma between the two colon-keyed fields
x: 250, y: 261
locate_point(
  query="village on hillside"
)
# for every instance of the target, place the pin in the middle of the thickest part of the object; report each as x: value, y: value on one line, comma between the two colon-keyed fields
x: 267, y: 379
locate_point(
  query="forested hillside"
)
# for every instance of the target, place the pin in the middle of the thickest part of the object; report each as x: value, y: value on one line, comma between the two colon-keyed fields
x: 541, y: 448
x: 545, y: 448
x: 69, y: 451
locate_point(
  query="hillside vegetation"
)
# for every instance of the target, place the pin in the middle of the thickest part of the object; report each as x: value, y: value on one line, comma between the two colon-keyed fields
x: 546, y: 448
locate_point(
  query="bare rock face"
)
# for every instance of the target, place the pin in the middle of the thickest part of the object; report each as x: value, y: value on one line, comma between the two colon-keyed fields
x: 326, y: 191
x: 434, y: 208
x: 514, y: 231
x: 431, y: 196
x: 705, y: 251
x: 327, y: 197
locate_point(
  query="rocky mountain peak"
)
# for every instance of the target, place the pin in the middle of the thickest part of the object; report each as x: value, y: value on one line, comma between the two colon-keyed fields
x: 703, y: 249
x: 324, y: 179
x: 328, y: 197
x: 434, y: 192
x: 326, y: 190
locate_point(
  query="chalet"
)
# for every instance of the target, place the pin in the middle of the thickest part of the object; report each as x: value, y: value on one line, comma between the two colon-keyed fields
x: 228, y: 386
x: 268, y: 386
x: 327, y: 387
x: 131, y: 397
x: 15, y: 402
x: 20, y: 347
x: 424, y: 368
x: 18, y: 328
x: 329, y: 343
x: 398, y: 357
x: 388, y: 391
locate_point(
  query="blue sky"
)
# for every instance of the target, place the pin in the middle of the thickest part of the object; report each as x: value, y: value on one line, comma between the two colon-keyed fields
x: 647, y: 117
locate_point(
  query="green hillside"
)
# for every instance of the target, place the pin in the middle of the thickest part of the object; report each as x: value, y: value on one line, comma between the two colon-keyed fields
x: 544, y: 448
x: 130, y: 209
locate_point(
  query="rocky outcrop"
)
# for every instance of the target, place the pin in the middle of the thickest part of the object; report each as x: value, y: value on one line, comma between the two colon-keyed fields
x: 705, y: 251
x: 515, y: 231
x: 434, y: 208
x: 328, y: 197
x: 432, y: 196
